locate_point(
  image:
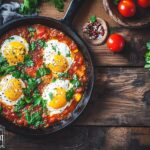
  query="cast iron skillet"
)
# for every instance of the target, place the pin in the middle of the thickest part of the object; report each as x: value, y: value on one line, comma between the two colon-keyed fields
x: 63, y: 25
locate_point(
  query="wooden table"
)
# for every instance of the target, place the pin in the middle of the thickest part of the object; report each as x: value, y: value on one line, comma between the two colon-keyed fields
x: 118, y: 114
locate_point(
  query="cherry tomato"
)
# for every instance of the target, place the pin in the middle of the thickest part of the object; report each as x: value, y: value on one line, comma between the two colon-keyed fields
x: 127, y: 8
x: 115, y: 43
x: 144, y: 3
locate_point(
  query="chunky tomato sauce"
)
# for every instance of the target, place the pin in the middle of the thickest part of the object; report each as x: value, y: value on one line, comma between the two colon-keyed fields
x: 77, y: 68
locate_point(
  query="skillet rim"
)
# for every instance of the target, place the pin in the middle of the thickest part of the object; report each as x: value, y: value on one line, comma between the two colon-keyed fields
x: 90, y: 84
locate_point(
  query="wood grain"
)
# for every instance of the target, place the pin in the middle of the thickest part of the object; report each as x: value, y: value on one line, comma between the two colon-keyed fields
x: 85, y: 138
x: 121, y: 97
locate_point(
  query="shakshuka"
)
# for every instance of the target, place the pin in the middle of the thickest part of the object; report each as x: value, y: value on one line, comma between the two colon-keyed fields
x: 42, y: 76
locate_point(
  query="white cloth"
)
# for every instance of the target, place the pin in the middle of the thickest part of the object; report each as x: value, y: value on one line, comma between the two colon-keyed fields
x: 9, y: 12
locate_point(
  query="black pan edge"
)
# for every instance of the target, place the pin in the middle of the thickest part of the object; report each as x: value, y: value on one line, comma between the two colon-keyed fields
x: 90, y: 69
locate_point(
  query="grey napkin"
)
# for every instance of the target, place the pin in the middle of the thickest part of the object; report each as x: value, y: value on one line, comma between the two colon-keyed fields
x: 9, y: 12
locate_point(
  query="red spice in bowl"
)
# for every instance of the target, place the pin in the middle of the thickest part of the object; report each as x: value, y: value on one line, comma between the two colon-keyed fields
x: 95, y: 31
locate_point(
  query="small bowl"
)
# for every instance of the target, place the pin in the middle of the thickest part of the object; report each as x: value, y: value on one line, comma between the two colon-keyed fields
x: 141, y: 19
x: 98, y: 41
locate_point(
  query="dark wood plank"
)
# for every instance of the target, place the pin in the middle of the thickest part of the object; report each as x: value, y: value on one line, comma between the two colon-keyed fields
x: 85, y: 138
x: 121, y: 97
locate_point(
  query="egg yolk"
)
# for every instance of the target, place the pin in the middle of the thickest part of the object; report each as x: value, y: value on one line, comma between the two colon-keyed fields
x: 59, y: 99
x: 60, y: 64
x: 13, y: 89
x: 14, y: 52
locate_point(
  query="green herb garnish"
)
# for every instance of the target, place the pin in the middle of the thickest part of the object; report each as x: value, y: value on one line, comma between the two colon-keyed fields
x: 42, y: 43
x: 68, y: 55
x: 11, y: 38
x: 28, y: 61
x: 147, y: 56
x: 53, y: 80
x: 34, y: 118
x: 116, y: 2
x: 2, y: 59
x: 31, y: 6
x: 42, y: 72
x: 69, y: 94
x: 51, y: 95
x: 16, y: 74
x: 54, y: 47
x: 31, y: 29
x: 20, y: 104
x: 65, y: 75
x: 75, y: 81
x: 32, y: 46
x: 59, y: 4
x: 93, y: 19
x: 1, y: 109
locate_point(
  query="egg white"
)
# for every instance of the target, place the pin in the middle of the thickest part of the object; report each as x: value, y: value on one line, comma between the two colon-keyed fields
x: 50, y: 88
x: 14, y: 38
x: 3, y: 87
x: 60, y: 48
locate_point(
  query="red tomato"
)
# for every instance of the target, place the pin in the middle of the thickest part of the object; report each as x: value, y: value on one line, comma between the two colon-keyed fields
x: 31, y: 71
x: 115, y: 43
x: 41, y: 32
x: 127, y: 8
x: 144, y: 3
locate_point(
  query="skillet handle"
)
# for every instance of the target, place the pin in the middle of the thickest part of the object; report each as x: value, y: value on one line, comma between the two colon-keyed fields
x: 73, y: 8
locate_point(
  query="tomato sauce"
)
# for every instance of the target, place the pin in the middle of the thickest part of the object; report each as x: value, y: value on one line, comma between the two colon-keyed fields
x: 78, y: 67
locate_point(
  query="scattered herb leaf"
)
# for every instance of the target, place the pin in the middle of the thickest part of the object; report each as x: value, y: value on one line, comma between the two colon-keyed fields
x: 32, y: 46
x: 93, y: 19
x: 69, y: 94
x: 42, y: 72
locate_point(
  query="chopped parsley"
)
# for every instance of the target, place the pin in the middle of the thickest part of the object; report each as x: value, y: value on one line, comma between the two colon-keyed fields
x: 32, y: 46
x: 38, y: 100
x: 34, y: 118
x: 65, y: 75
x: 42, y: 43
x: 53, y: 80
x: 2, y: 59
x: 1, y: 109
x: 59, y: 53
x: 42, y: 72
x: 93, y: 19
x: 51, y: 95
x: 69, y: 94
x: 4, y: 67
x: 75, y: 81
x: 31, y: 31
x: 147, y: 56
x: 28, y: 61
x: 16, y: 74
x: 68, y: 55
x: 54, y: 47
x: 11, y: 38
x: 20, y: 104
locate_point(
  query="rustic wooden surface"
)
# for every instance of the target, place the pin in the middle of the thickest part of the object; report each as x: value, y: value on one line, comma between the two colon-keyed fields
x: 118, y: 114
x: 85, y: 138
